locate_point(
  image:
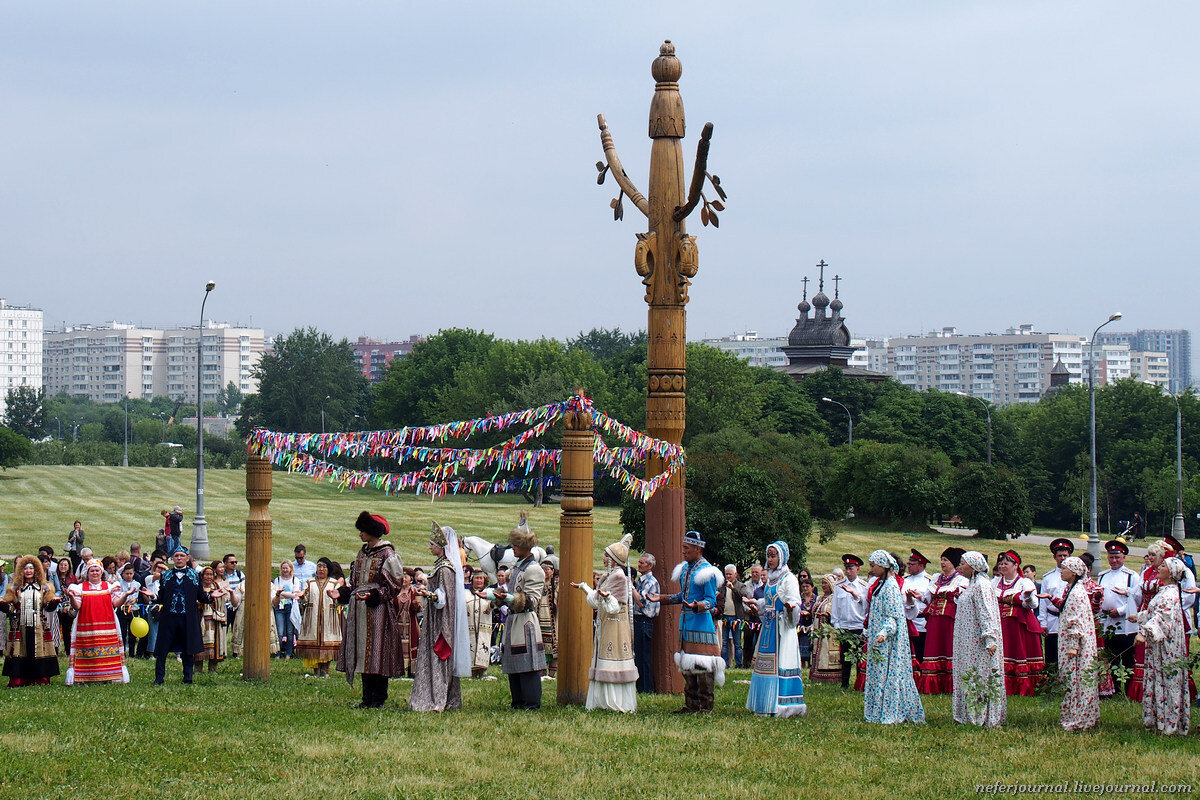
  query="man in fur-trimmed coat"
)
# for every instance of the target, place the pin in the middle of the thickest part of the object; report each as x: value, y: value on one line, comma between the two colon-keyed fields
x: 699, y: 654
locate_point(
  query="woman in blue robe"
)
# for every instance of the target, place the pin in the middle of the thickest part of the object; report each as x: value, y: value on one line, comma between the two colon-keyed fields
x: 890, y: 694
x: 776, y: 686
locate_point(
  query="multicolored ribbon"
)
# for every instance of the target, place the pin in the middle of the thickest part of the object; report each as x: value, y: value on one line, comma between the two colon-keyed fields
x: 309, y: 453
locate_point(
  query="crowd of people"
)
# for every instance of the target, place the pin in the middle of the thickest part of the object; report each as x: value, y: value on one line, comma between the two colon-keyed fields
x: 978, y: 629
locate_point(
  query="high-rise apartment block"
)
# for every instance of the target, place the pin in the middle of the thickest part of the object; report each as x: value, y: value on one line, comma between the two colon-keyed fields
x: 20, y: 348
x: 108, y: 362
x: 1175, y: 344
x: 1007, y: 368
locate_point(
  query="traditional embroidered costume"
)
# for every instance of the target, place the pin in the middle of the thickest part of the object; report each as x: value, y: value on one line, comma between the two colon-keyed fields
x: 522, y: 653
x: 370, y: 636
x: 180, y: 597
x: 936, y: 674
x: 979, y: 696
x: 444, y: 652
x: 699, y: 654
x: 827, y: 650
x: 97, y: 653
x: 1165, y: 697
x: 320, y: 636
x: 1076, y: 652
x: 479, y: 627
x: 612, y: 677
x: 29, y: 654
x: 890, y: 694
x: 776, y: 683
x: 1024, y: 664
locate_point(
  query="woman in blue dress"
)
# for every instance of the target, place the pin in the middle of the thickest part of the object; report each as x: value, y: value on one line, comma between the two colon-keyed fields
x: 776, y: 687
x: 890, y: 694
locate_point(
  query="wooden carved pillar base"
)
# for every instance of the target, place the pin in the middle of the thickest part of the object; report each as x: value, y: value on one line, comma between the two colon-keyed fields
x: 256, y: 599
x: 575, y: 559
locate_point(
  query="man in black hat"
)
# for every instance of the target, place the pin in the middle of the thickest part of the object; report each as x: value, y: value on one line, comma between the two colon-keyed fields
x: 1053, y: 595
x: 848, y: 611
x: 1120, y: 587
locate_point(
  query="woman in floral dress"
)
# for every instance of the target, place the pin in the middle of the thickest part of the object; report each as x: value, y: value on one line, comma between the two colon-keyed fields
x: 1077, y: 650
x: 890, y: 695
x: 979, y: 697
x: 1165, y: 697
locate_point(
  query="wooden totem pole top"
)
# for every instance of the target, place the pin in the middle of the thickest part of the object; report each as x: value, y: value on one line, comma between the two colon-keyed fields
x: 666, y: 258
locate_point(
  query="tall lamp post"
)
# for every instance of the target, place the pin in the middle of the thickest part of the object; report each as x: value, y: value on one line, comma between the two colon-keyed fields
x: 199, y: 546
x: 125, y: 458
x: 1094, y: 535
x: 988, y: 408
x: 323, y: 402
x: 849, y: 420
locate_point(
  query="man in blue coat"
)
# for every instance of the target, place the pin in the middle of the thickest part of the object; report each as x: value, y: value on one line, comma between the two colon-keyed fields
x: 699, y: 654
x: 178, y: 603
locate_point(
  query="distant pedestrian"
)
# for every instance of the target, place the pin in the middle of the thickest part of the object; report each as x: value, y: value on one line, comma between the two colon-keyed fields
x: 75, y: 545
x: 174, y: 528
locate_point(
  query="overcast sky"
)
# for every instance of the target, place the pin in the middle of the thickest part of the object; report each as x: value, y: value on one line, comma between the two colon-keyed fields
x: 389, y: 168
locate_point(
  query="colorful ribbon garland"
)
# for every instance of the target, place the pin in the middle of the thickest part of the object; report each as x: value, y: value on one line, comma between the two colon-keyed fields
x: 307, y: 453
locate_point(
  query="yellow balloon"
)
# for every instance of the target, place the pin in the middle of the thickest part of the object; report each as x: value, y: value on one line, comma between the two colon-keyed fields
x: 139, y: 627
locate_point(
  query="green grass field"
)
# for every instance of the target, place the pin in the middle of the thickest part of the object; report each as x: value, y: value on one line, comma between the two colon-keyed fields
x: 295, y: 737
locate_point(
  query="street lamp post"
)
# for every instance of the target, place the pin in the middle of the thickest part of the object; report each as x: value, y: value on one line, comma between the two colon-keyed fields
x: 988, y: 408
x: 125, y: 459
x: 849, y: 420
x: 1094, y: 535
x: 199, y: 546
x: 323, y: 402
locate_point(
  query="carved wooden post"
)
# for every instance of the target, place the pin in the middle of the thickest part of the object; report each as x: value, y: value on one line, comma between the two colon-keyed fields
x: 256, y: 601
x: 666, y: 258
x: 575, y: 560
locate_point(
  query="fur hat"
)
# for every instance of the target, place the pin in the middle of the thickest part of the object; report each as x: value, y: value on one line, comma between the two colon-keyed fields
x: 619, y: 551
x: 522, y: 536
x: 372, y: 524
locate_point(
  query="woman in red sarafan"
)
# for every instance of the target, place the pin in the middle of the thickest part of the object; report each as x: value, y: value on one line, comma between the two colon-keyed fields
x: 97, y: 655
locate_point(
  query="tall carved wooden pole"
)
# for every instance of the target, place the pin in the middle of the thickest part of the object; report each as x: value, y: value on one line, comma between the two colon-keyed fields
x: 575, y: 541
x: 256, y: 602
x: 666, y: 258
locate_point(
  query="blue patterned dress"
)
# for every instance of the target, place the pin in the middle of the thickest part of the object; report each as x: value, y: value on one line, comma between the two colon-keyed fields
x: 891, y: 694
x: 776, y: 686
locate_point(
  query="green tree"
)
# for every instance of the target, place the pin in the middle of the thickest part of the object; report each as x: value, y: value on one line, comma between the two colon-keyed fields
x: 891, y: 483
x: 408, y: 395
x: 24, y: 411
x: 307, y: 374
x: 15, y: 449
x: 741, y: 510
x: 992, y: 500
x: 229, y: 399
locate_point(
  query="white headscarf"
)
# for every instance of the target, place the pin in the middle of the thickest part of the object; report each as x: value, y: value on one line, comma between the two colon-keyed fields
x: 462, y: 640
x: 1176, y: 566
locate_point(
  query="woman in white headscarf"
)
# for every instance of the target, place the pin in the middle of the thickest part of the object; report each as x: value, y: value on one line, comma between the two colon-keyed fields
x: 612, y: 677
x: 979, y: 696
x: 776, y: 682
x: 1165, y: 696
x: 444, y: 649
x: 890, y: 694
x: 1077, y: 650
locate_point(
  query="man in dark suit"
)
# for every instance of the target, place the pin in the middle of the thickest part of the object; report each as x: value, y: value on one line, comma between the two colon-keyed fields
x: 179, y: 599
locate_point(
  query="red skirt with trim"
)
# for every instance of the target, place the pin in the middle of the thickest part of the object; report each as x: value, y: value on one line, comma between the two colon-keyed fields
x: 1024, y: 662
x: 936, y: 675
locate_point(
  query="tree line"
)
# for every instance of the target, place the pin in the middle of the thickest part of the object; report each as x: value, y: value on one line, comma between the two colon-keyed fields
x: 764, y: 451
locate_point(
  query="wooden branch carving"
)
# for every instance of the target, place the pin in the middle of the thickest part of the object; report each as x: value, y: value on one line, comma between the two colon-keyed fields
x: 618, y: 172
x: 698, y: 174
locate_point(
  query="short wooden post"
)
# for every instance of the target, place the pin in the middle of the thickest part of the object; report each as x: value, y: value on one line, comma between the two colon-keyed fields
x: 256, y: 600
x: 575, y: 559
